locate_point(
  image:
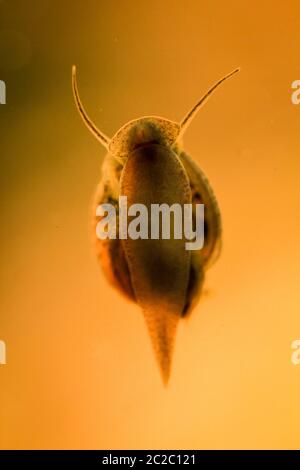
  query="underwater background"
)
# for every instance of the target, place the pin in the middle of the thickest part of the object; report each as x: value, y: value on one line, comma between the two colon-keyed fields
x: 80, y: 371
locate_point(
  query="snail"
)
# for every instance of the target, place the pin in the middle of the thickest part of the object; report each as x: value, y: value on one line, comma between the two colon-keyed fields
x: 146, y: 162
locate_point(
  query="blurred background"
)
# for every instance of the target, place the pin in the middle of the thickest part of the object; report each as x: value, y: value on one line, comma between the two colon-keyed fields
x: 80, y: 371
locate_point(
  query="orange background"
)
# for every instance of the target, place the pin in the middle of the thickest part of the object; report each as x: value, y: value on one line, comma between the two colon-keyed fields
x: 80, y: 371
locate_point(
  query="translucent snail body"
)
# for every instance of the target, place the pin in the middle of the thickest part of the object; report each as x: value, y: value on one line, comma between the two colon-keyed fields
x: 146, y: 163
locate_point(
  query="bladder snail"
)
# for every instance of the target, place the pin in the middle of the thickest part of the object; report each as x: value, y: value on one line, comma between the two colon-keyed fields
x: 146, y: 163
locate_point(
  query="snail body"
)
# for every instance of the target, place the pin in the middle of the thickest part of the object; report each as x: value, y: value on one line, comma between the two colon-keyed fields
x: 146, y: 162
